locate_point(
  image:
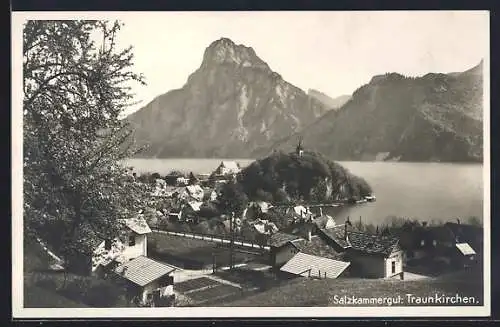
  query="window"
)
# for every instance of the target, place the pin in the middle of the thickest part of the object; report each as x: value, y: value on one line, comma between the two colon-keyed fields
x: 107, y: 244
x: 166, y: 281
x: 393, y: 267
x: 422, y: 242
x: 131, y: 240
x: 434, y: 242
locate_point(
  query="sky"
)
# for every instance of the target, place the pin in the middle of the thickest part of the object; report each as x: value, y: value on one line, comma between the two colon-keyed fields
x: 333, y: 52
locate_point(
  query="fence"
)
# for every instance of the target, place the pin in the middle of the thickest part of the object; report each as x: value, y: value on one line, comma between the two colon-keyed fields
x: 214, y: 238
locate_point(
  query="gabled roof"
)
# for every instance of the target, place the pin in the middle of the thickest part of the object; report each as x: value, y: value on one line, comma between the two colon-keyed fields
x: 301, y: 210
x: 309, y: 265
x: 138, y: 225
x: 375, y: 244
x: 143, y: 270
x: 195, y: 191
x: 195, y: 205
x: 337, y: 235
x: 465, y: 248
x: 103, y: 257
x: 441, y: 233
x: 464, y: 232
x: 263, y: 226
x: 363, y: 242
x: 230, y: 165
x: 279, y: 239
x: 317, y: 247
x: 324, y: 221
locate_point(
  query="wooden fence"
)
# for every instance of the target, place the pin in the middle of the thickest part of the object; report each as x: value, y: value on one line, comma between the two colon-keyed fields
x: 214, y: 238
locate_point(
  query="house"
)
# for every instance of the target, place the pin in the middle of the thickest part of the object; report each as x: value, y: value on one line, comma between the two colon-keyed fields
x: 190, y: 211
x: 307, y: 265
x: 464, y: 233
x: 310, y: 257
x: 371, y: 256
x: 227, y: 168
x: 258, y: 230
x: 160, y: 188
x: 181, y: 181
x: 264, y: 226
x: 256, y: 209
x: 175, y: 214
x: 324, y: 221
x: 195, y: 192
x: 149, y: 281
x: 131, y: 244
x: 282, y: 248
x: 209, y: 194
x: 302, y: 212
x: 447, y: 244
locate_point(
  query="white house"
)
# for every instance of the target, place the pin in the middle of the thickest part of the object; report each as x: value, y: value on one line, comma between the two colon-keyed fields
x: 148, y: 280
x: 182, y: 181
x: 195, y: 192
x: 228, y: 167
x: 371, y: 256
x: 132, y: 244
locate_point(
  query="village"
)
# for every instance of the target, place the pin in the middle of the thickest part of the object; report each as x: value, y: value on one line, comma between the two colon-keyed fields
x: 230, y: 186
x: 181, y: 252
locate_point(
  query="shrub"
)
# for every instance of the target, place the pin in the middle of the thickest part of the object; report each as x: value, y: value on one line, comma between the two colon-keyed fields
x: 104, y: 294
x: 46, y: 283
x: 95, y: 292
x: 76, y: 289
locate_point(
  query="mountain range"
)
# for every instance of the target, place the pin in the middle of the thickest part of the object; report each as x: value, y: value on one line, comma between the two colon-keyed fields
x: 330, y: 103
x: 235, y: 106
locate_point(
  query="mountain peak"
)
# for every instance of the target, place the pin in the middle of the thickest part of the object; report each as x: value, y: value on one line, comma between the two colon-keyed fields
x: 225, y: 51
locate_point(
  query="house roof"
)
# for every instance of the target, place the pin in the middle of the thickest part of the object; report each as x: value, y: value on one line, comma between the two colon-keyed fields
x: 375, y: 244
x: 262, y: 226
x: 138, y: 225
x: 305, y: 264
x: 301, y: 210
x: 143, y: 270
x: 280, y: 238
x: 337, y: 235
x: 464, y: 232
x: 230, y: 165
x: 441, y: 233
x: 363, y: 242
x: 317, y: 247
x: 465, y: 248
x: 195, y: 205
x: 262, y: 205
x: 324, y: 221
x: 195, y: 190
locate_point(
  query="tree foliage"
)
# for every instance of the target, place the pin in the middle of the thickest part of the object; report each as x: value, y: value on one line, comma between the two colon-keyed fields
x: 310, y: 177
x: 76, y: 85
x: 232, y: 199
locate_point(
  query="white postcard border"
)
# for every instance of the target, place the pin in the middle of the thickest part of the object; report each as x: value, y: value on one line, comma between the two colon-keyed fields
x: 18, y: 18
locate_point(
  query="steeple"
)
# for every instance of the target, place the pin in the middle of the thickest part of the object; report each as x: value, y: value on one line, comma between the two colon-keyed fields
x: 300, y: 149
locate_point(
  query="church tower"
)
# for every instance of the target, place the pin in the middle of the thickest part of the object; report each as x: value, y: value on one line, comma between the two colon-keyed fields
x: 300, y: 149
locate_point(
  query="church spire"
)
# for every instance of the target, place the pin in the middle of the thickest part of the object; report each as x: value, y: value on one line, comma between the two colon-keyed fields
x: 300, y: 149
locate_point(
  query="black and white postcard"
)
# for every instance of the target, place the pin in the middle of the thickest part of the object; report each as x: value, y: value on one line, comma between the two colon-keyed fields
x: 250, y: 164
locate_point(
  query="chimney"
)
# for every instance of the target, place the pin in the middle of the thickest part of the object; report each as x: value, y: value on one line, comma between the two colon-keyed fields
x: 309, y: 234
x: 320, y: 212
x: 458, y: 221
x: 347, y: 222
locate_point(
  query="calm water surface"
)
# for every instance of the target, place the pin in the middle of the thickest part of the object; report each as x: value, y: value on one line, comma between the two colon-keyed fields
x: 425, y: 191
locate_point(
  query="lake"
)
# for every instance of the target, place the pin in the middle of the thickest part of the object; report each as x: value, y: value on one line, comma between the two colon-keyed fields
x: 424, y: 191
